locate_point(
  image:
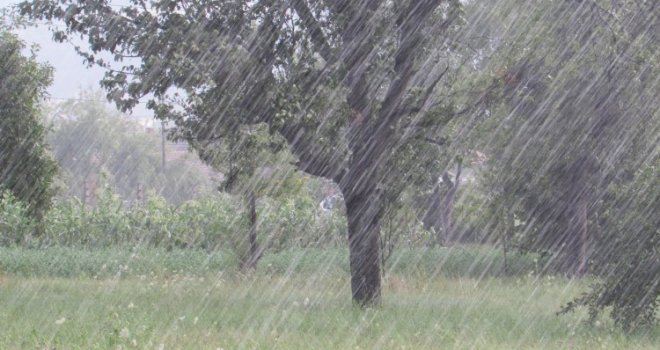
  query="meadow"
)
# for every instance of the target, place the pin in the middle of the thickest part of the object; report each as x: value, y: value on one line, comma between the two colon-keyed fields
x: 69, y: 298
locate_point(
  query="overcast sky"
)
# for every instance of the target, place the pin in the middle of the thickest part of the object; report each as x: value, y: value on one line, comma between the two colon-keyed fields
x: 71, y: 75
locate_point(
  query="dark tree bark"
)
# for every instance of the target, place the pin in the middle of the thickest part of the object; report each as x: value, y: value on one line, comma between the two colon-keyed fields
x: 252, y: 256
x: 448, y: 203
x: 432, y: 219
x: 364, y: 249
x: 441, y: 206
x: 576, y: 238
x: 582, y: 213
x: 506, y: 232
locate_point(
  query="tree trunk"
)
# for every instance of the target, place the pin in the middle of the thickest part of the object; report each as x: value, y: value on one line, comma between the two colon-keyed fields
x: 254, y: 252
x: 508, y: 230
x: 441, y: 206
x: 364, y: 249
x: 578, y: 235
x: 447, y: 211
x: 449, y: 201
x: 432, y: 219
x: 583, y: 235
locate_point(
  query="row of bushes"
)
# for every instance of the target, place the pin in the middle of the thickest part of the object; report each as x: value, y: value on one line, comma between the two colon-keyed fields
x: 211, y: 223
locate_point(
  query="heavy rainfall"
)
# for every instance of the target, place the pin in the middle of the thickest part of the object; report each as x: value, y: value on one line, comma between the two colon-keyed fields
x: 330, y: 174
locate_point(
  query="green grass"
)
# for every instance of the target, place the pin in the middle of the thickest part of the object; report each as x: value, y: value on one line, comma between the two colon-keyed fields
x: 295, y: 301
x: 460, y: 261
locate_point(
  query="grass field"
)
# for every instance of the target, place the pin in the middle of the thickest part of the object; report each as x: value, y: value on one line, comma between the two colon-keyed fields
x: 193, y: 307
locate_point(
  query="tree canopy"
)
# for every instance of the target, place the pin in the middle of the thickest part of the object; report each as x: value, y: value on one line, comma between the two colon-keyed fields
x: 26, y: 166
x: 89, y: 138
x: 576, y: 121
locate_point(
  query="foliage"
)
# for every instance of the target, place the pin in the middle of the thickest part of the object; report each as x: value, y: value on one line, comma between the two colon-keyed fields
x: 297, y: 221
x: 207, y: 223
x: 210, y: 223
x: 401, y: 227
x: 472, y: 215
x: 27, y: 168
x: 563, y: 107
x: 631, y: 269
x: 15, y: 223
x: 567, y: 124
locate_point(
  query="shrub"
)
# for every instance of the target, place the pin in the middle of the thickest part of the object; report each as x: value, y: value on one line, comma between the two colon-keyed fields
x: 16, y: 226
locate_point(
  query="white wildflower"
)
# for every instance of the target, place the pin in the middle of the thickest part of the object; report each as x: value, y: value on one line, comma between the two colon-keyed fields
x: 124, y: 333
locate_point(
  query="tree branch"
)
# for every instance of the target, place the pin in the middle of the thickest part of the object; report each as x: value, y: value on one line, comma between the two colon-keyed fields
x: 314, y: 29
x: 439, y: 142
x: 416, y: 108
x: 313, y: 158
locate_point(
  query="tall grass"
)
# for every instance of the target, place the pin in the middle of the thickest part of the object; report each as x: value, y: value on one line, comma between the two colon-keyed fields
x: 298, y: 311
x: 152, y: 298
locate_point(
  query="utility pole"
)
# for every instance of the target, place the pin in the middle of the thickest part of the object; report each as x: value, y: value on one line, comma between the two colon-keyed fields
x: 162, y: 145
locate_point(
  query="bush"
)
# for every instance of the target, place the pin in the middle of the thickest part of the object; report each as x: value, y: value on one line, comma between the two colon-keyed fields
x: 206, y: 224
x: 214, y: 222
x: 298, y: 221
x: 16, y: 226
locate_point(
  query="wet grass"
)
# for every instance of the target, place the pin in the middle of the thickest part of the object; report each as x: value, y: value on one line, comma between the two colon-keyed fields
x: 458, y: 261
x: 304, y: 309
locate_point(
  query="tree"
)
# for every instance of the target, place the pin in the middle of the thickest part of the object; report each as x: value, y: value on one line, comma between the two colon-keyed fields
x: 89, y: 137
x: 574, y: 144
x: 439, y: 213
x: 26, y: 166
x: 630, y: 269
x: 571, y: 97
x: 250, y: 158
x: 346, y: 83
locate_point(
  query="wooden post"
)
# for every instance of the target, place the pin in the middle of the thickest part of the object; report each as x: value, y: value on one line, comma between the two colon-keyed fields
x: 90, y: 189
x: 584, y: 235
x: 510, y: 222
x: 140, y: 193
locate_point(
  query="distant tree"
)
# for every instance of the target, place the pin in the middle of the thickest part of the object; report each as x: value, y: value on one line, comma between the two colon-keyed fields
x: 26, y: 166
x: 438, y: 216
x: 569, y: 108
x: 347, y: 84
x: 89, y: 137
x: 573, y: 144
x: 629, y: 246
